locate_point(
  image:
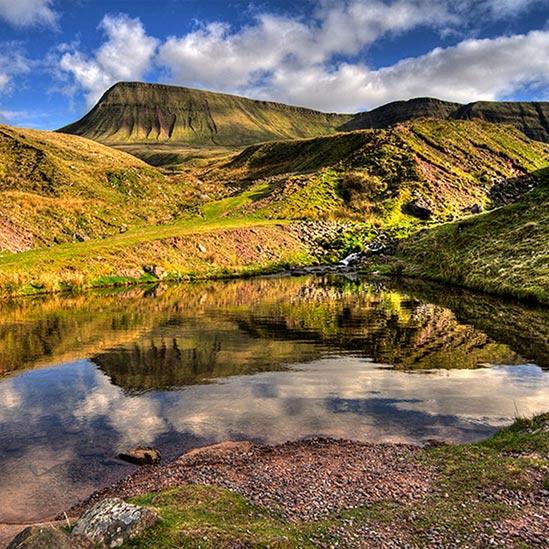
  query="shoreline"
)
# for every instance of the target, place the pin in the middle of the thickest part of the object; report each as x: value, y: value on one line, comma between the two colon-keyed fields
x: 319, y: 491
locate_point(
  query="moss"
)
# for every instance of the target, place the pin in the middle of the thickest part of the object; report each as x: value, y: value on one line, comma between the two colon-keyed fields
x: 208, y: 516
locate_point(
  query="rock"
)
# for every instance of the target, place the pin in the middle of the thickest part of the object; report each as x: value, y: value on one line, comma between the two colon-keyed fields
x: 48, y: 537
x: 113, y: 522
x: 154, y: 270
x: 419, y: 209
x: 142, y: 455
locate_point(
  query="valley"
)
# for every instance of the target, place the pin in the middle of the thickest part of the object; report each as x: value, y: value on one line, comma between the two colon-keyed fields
x: 201, y: 202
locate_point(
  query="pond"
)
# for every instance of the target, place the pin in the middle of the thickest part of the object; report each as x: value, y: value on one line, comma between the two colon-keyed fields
x: 269, y: 359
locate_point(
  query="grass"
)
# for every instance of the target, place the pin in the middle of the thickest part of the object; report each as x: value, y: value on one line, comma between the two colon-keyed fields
x: 377, y: 176
x: 504, y: 251
x: 195, y: 117
x: 96, y: 216
x: 190, y: 248
x: 458, y: 508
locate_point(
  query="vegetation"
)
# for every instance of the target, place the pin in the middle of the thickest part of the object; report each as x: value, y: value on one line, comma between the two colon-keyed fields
x: 107, y: 218
x: 528, y: 117
x: 133, y: 112
x: 461, y: 507
x: 58, y: 188
x: 504, y: 251
x: 383, y: 177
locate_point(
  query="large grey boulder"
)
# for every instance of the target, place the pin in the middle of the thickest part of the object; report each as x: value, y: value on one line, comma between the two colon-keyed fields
x: 112, y: 522
x: 48, y: 537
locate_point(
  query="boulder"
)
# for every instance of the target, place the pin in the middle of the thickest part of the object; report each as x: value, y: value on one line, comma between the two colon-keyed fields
x: 47, y: 537
x: 113, y: 522
x: 142, y: 455
x: 418, y: 208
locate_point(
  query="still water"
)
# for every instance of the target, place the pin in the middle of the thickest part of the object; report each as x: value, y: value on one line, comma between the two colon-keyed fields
x: 269, y: 359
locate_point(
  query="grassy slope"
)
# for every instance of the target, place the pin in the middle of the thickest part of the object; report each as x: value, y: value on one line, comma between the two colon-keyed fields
x: 58, y: 188
x: 373, y: 175
x: 206, y: 516
x: 133, y: 112
x: 448, y: 165
x: 505, y: 251
x: 183, y: 250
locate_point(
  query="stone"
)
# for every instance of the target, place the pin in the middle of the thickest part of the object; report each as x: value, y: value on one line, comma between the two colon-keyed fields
x: 419, y: 209
x: 112, y: 522
x: 142, y: 455
x: 47, y: 537
x: 154, y: 270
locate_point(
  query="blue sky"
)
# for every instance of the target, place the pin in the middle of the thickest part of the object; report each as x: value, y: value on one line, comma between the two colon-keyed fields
x: 58, y: 56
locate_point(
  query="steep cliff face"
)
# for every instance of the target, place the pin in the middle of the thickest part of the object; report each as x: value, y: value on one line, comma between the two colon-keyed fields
x: 131, y: 112
x: 529, y: 117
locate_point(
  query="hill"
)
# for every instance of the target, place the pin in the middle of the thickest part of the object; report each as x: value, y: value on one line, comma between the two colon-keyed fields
x: 58, y: 188
x: 133, y: 112
x: 426, y: 169
x: 505, y: 251
x: 532, y: 118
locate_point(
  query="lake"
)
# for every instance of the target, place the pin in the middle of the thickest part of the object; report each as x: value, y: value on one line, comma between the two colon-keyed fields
x: 269, y: 359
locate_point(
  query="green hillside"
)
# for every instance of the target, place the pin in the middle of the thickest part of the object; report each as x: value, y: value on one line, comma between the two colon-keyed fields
x: 84, y: 215
x: 58, y: 188
x: 425, y: 169
x: 505, y: 251
x: 133, y: 112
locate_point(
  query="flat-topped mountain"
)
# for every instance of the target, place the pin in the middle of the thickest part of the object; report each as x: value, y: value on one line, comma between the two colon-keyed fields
x: 132, y: 112
x: 532, y: 118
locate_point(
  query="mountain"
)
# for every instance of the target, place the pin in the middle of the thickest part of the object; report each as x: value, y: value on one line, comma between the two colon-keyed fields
x: 133, y: 112
x: 61, y: 188
x: 424, y: 169
x: 532, y: 118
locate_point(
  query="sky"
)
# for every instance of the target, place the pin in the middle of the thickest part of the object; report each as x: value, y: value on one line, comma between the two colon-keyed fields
x: 57, y: 57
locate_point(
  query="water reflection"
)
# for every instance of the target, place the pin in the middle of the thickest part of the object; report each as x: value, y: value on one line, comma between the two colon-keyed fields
x: 93, y: 374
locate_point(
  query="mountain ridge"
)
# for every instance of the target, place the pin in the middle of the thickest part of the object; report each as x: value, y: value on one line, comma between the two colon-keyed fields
x: 150, y: 113
x: 530, y: 117
x: 139, y: 112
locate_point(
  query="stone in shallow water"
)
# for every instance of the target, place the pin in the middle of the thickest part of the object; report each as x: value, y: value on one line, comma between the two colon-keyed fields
x: 112, y: 522
x: 48, y: 537
x: 141, y: 456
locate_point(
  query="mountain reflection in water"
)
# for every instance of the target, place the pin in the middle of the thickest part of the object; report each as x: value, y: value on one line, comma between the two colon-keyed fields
x: 89, y: 375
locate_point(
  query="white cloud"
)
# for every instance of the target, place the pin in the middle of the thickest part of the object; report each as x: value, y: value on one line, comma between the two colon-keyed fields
x: 317, y: 62
x: 126, y: 54
x: 471, y: 70
x: 4, y: 79
x: 28, y: 12
x: 215, y: 56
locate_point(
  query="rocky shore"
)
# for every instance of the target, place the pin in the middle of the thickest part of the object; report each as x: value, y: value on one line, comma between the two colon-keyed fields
x: 323, y: 492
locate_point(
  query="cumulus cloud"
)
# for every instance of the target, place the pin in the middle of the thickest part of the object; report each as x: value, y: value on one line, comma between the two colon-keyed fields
x: 24, y: 13
x: 214, y: 56
x: 319, y: 61
x: 475, y: 69
x: 126, y: 54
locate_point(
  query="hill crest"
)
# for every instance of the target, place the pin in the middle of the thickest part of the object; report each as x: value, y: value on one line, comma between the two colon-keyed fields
x: 133, y: 112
